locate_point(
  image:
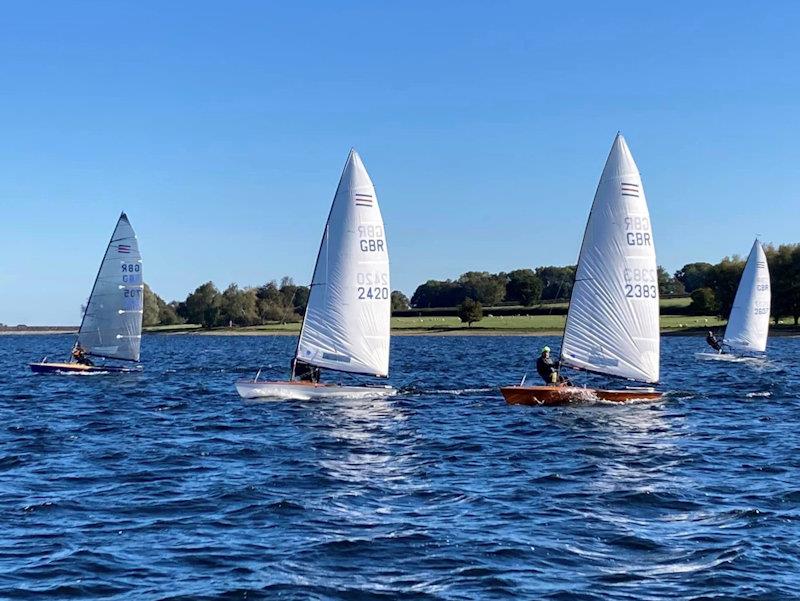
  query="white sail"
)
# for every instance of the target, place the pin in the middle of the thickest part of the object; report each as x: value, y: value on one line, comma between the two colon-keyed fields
x: 112, y: 323
x: 612, y: 324
x: 748, y: 324
x: 346, y: 325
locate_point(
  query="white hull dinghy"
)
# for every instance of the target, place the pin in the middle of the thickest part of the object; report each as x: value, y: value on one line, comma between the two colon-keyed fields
x: 745, y: 338
x: 111, y: 328
x: 306, y: 391
x: 346, y: 327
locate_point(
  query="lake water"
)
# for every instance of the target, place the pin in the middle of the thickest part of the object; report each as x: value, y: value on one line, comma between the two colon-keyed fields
x: 166, y: 484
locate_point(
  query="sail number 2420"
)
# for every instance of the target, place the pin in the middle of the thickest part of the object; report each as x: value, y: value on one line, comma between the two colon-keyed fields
x: 373, y: 286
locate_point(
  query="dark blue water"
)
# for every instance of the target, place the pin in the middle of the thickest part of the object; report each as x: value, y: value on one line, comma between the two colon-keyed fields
x: 166, y: 485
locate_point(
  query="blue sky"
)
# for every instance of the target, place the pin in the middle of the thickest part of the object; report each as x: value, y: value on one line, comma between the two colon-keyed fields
x: 222, y: 128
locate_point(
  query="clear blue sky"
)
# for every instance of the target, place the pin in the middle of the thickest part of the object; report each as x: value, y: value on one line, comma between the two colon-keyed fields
x: 221, y: 128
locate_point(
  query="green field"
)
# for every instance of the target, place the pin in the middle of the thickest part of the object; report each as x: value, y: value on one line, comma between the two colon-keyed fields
x: 532, y: 324
x: 523, y: 324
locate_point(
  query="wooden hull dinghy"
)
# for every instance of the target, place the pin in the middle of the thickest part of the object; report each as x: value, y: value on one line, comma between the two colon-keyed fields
x: 346, y: 323
x: 111, y: 327
x: 77, y: 368
x: 306, y: 391
x: 561, y: 395
x: 612, y: 325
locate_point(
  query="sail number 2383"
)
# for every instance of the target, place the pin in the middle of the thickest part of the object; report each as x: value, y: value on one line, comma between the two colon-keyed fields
x: 641, y: 283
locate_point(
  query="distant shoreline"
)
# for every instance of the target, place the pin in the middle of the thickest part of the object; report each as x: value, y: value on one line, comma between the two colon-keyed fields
x: 775, y: 331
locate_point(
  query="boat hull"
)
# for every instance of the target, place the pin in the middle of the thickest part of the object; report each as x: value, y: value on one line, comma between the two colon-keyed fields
x: 77, y: 368
x: 304, y: 391
x: 561, y: 395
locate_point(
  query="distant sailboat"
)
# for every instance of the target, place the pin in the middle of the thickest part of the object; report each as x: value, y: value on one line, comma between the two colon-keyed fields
x: 347, y: 322
x: 612, y: 325
x: 112, y: 322
x: 748, y: 325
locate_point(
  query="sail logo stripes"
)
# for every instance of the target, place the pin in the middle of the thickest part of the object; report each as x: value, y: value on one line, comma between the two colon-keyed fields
x: 124, y: 249
x: 364, y: 200
x: 630, y: 189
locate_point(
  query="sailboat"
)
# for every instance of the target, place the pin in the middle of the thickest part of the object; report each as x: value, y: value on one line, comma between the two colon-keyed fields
x: 748, y: 324
x: 612, y: 325
x: 111, y: 327
x: 346, y: 327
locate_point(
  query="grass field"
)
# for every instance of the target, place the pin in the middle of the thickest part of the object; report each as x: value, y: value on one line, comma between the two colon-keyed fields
x: 434, y: 325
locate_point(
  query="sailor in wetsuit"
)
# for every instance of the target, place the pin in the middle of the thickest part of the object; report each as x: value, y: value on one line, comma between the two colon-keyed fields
x: 305, y: 372
x: 80, y: 355
x: 713, y: 342
x: 547, y: 368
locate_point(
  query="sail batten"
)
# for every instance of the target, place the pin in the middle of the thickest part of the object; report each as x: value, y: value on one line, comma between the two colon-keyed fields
x: 346, y: 325
x: 612, y: 324
x: 112, y: 322
x: 748, y: 324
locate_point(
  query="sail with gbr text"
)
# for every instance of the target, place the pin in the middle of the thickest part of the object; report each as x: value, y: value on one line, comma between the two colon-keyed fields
x: 748, y: 324
x: 346, y: 325
x: 112, y: 322
x: 613, y: 320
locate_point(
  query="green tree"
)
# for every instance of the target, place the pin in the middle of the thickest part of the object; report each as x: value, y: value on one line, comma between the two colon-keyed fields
x: 723, y: 279
x: 399, y: 301
x: 150, y: 308
x: 167, y: 315
x: 238, y: 307
x: 437, y: 293
x: 281, y: 303
x: 703, y: 302
x: 694, y: 275
x: 556, y: 281
x: 668, y: 284
x: 484, y: 287
x: 470, y: 311
x: 784, y: 265
x: 523, y: 287
x: 156, y: 312
x: 203, y: 305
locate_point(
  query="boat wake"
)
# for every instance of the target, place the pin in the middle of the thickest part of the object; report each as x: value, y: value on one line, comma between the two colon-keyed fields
x: 456, y: 391
x: 725, y: 357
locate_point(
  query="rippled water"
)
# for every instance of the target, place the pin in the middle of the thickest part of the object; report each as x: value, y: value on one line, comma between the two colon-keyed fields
x: 166, y: 485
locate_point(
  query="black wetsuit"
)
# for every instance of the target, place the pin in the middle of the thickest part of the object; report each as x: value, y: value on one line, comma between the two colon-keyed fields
x: 546, y: 367
x: 305, y: 372
x: 713, y: 342
x: 81, y: 358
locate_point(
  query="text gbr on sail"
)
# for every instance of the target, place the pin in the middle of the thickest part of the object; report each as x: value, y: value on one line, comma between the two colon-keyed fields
x: 638, y: 231
x: 371, y: 238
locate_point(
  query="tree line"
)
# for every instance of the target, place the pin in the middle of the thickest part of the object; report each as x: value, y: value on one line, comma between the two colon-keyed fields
x: 712, y: 288
x: 274, y: 302
x: 519, y: 287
